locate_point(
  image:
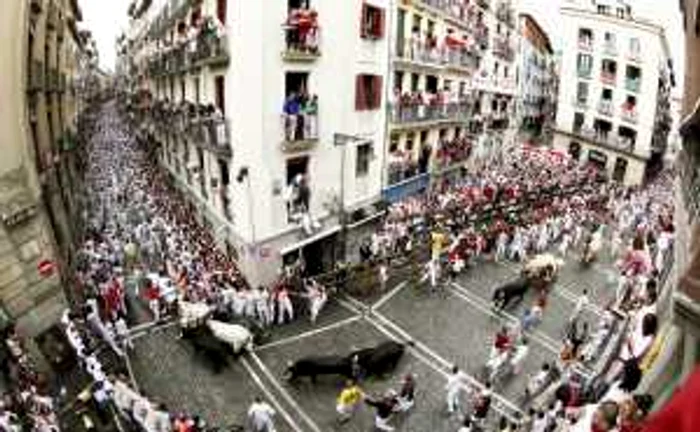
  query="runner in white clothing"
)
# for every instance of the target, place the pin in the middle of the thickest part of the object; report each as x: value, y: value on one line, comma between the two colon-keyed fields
x: 260, y: 416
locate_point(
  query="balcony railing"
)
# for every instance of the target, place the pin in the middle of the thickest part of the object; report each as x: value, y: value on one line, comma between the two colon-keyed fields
x: 610, y: 49
x: 634, y: 56
x: 416, y: 113
x: 608, y: 78
x: 218, y: 135
x: 504, y: 12
x: 481, y: 35
x: 632, y: 84
x: 580, y: 103
x: 422, y: 52
x: 584, y: 72
x: 211, y: 50
x: 585, y: 45
x: 629, y: 115
x: 503, y: 48
x: 300, y: 131
x: 180, y: 58
x: 35, y: 78
x: 301, y: 43
x: 605, y: 107
x: 461, y: 58
x: 609, y: 140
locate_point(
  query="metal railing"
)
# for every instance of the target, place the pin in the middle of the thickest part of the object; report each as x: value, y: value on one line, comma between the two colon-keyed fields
x: 629, y: 115
x: 605, y: 107
x: 211, y: 49
x: 410, y: 113
x: 301, y: 45
x: 608, y: 77
x: 632, y: 84
x: 584, y: 72
x: 585, y: 44
x: 610, y: 49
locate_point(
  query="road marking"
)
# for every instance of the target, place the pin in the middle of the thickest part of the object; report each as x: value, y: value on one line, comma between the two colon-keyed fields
x: 129, y: 370
x: 307, y: 334
x: 480, y: 304
x: 288, y: 418
x: 473, y: 382
x: 285, y: 394
x: 386, y: 297
x: 149, y: 330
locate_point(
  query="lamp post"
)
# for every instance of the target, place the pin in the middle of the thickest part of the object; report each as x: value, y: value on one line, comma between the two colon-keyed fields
x: 340, y: 140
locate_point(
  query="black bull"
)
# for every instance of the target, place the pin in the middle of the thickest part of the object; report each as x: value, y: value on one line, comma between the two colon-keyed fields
x: 505, y: 294
x: 368, y: 361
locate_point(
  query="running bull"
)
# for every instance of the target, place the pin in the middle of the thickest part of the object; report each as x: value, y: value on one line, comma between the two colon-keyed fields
x: 514, y: 290
x: 365, y: 362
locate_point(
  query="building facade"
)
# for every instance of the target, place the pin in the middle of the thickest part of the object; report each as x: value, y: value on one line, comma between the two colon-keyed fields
x: 613, y: 106
x: 43, y: 53
x: 537, y: 79
x: 453, y: 73
x: 268, y: 116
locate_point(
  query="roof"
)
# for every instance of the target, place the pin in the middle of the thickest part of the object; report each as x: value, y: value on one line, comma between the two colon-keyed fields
x: 538, y: 29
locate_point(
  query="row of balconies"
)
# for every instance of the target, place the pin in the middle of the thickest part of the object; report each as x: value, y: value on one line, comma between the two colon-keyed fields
x: 608, y: 78
x: 609, y: 49
x: 464, y: 13
x: 205, y: 50
x: 607, y: 139
x: 406, y: 113
x: 202, y: 127
x: 462, y: 57
x: 605, y: 107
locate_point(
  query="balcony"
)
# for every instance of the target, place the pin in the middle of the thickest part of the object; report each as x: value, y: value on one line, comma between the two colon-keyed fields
x: 503, y: 48
x: 180, y: 57
x: 217, y: 134
x: 504, y: 12
x: 609, y: 140
x: 581, y: 103
x: 300, y: 132
x: 584, y: 72
x: 632, y: 84
x: 481, y: 35
x: 35, y: 76
x: 629, y: 115
x: 585, y: 44
x: 421, y: 113
x: 210, y: 50
x: 634, y: 56
x: 463, y: 59
x: 302, y: 37
x: 402, y: 189
x: 605, y: 107
x: 426, y: 53
x: 608, y: 78
x: 610, y: 49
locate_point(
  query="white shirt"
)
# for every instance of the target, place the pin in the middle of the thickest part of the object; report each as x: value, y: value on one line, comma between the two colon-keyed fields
x: 581, y: 303
x: 455, y: 381
x: 260, y: 415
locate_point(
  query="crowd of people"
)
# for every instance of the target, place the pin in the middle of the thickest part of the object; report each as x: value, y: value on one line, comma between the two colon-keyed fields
x: 534, y: 208
x: 29, y: 405
x: 300, y: 116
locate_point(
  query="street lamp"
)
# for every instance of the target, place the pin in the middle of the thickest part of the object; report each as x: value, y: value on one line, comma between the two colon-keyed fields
x: 340, y: 140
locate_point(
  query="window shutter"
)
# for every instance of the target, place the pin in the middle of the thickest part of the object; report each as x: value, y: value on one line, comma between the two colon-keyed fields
x: 359, y: 93
x: 377, y: 97
x: 363, y: 15
x: 379, y: 32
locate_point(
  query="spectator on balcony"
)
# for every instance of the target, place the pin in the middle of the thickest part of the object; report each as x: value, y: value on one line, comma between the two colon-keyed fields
x: 310, y: 112
x: 416, y: 44
x: 292, y: 109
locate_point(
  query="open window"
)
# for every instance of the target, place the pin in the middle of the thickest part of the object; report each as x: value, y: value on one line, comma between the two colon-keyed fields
x: 372, y: 22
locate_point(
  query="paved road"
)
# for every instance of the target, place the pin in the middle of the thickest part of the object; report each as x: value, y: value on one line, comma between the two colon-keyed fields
x: 453, y: 327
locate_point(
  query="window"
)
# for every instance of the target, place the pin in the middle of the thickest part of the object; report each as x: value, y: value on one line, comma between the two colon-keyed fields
x: 398, y: 80
x: 415, y: 79
x: 364, y: 156
x: 584, y: 63
x: 621, y: 12
x: 197, y: 95
x: 423, y: 138
x: 220, y: 93
x: 368, y: 92
x: 372, y: 25
x: 579, y: 119
x: 410, y: 138
x: 182, y: 90
x: 221, y: 11
x: 223, y: 172
x: 635, y: 46
x: 295, y: 166
x: 505, y: 71
x: 585, y: 37
x: 582, y: 92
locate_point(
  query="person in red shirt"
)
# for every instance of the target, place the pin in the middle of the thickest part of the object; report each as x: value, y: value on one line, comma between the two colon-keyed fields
x: 153, y: 295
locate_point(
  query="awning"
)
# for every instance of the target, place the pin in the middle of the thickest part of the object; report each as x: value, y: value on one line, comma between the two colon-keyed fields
x: 454, y: 42
x: 307, y: 241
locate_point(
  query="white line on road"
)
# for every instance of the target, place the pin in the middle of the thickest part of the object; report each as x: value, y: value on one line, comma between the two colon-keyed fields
x: 288, y: 418
x: 386, y: 297
x: 307, y: 334
x: 440, y: 365
x: 476, y: 301
x: 149, y: 330
x: 285, y: 394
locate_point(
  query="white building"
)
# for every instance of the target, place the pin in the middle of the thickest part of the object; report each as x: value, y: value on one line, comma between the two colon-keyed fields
x: 453, y: 84
x: 614, y: 88
x: 538, y: 80
x: 223, y: 84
